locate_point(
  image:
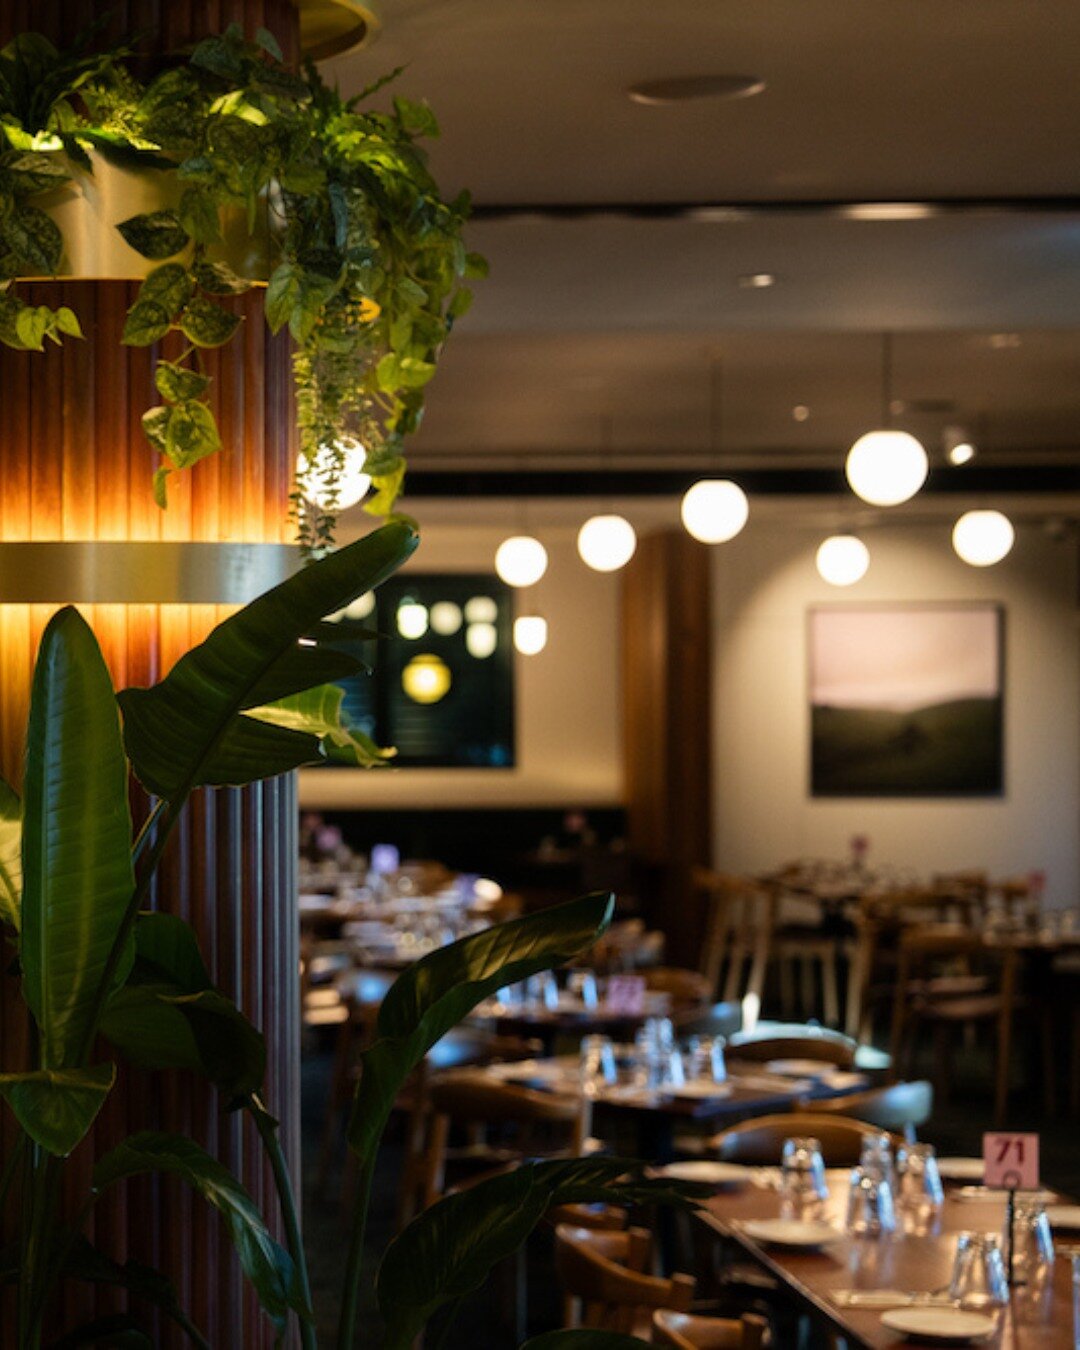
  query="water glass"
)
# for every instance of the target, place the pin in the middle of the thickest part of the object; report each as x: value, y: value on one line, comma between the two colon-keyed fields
x: 706, y: 1059
x: 876, y: 1157
x: 919, y: 1195
x: 803, y: 1190
x: 597, y: 1064
x: 870, y: 1211
x: 658, y: 1032
x: 978, y: 1278
x: 543, y: 990
x: 1033, y: 1243
x: 583, y: 984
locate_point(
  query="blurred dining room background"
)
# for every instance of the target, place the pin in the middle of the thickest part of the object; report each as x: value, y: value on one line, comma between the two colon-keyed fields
x: 835, y: 792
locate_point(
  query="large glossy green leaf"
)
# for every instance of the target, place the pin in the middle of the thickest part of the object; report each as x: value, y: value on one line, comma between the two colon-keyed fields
x: 167, y: 950
x: 319, y: 712
x: 447, y: 1252
x: 433, y: 995
x: 184, y: 732
x: 160, y: 1027
x: 56, y: 1107
x: 10, y: 856
x: 584, y: 1338
x: 168, y: 1016
x: 77, y: 874
x: 264, y: 1261
x: 84, y: 1262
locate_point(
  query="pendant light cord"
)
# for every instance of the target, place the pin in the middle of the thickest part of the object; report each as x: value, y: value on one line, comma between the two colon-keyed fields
x: 886, y: 379
x: 716, y: 411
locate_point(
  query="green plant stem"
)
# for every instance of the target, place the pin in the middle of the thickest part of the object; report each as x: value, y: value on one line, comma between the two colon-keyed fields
x: 147, y: 832
x: 287, y: 1200
x: 350, y: 1293
x: 169, y: 817
x: 8, y: 1174
x: 36, y: 1279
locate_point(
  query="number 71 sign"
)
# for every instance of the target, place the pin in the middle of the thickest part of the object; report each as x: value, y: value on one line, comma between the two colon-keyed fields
x: 1011, y: 1161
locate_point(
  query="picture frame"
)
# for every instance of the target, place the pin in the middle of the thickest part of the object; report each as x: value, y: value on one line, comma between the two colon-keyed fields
x: 906, y: 699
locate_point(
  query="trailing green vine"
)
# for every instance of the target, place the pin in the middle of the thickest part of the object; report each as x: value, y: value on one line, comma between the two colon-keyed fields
x: 367, y: 262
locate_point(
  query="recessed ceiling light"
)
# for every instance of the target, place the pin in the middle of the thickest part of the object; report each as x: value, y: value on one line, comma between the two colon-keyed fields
x: 689, y: 88
x: 757, y: 281
x: 963, y: 453
x: 800, y: 412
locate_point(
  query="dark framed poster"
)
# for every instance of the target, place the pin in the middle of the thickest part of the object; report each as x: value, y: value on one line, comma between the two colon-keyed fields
x: 906, y: 700
x: 441, y: 687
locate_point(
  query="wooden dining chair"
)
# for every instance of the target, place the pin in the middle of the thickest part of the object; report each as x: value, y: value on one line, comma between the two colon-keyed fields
x: 540, y: 1123
x: 930, y: 995
x: 879, y: 921
x: 740, y: 915
x: 604, y: 1283
x: 819, y: 1043
x: 759, y: 1142
x: 684, y: 1331
x: 688, y: 991
x: 899, y: 1108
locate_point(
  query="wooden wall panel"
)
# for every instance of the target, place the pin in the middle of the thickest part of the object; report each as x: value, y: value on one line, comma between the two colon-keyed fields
x: 667, y: 741
x: 74, y: 464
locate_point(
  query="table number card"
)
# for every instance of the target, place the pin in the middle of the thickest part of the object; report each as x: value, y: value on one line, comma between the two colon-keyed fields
x: 1012, y: 1161
x: 625, y: 994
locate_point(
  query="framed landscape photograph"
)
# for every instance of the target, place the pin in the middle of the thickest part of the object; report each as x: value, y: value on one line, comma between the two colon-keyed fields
x: 906, y: 700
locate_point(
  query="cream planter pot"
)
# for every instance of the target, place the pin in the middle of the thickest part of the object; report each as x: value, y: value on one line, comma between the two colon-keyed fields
x: 88, y: 208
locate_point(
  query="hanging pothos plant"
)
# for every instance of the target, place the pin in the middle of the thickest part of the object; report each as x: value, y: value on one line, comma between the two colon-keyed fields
x: 367, y: 265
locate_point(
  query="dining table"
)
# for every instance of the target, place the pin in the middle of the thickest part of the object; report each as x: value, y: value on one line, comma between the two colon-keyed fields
x: 656, y: 1114
x: 825, y: 1279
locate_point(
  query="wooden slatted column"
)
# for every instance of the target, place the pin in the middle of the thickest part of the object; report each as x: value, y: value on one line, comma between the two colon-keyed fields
x: 74, y: 465
x: 667, y: 720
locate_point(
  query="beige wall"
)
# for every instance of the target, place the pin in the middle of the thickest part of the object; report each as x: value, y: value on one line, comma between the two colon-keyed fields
x: 764, y: 583
x: 567, y: 697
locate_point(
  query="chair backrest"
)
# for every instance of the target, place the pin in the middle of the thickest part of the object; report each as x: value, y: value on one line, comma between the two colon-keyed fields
x: 465, y: 1097
x: 820, y: 1043
x: 687, y: 990
x: 898, y: 1107
x: 741, y: 915
x: 760, y: 1142
x: 598, y: 1270
x: 687, y: 1332
x: 722, y: 1019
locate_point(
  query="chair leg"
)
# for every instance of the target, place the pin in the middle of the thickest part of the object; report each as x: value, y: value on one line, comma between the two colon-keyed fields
x: 807, y: 992
x: 1074, y: 1068
x: 787, y: 985
x: 829, y: 991
x: 942, y: 1074
x: 1049, y: 1062
x: 1004, y: 1064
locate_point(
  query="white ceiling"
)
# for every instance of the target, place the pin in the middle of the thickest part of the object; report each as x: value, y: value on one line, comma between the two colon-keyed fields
x: 865, y: 100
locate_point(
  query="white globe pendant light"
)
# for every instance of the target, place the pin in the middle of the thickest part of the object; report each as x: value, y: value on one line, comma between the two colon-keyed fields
x: 714, y: 510
x: 521, y: 560
x: 315, y: 479
x: 606, y: 542
x: 886, y: 467
x: 842, y: 559
x: 982, y: 538
x: 530, y: 634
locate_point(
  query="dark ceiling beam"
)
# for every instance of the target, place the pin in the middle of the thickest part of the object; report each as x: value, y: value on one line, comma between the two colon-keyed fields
x: 463, y: 483
x: 842, y: 208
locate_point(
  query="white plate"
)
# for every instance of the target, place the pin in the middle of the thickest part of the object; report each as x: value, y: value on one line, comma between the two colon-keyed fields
x: 790, y: 1233
x: 799, y: 1068
x: 1064, y: 1217
x: 961, y: 1169
x: 712, y: 1173
x: 701, y: 1090
x: 940, y: 1326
